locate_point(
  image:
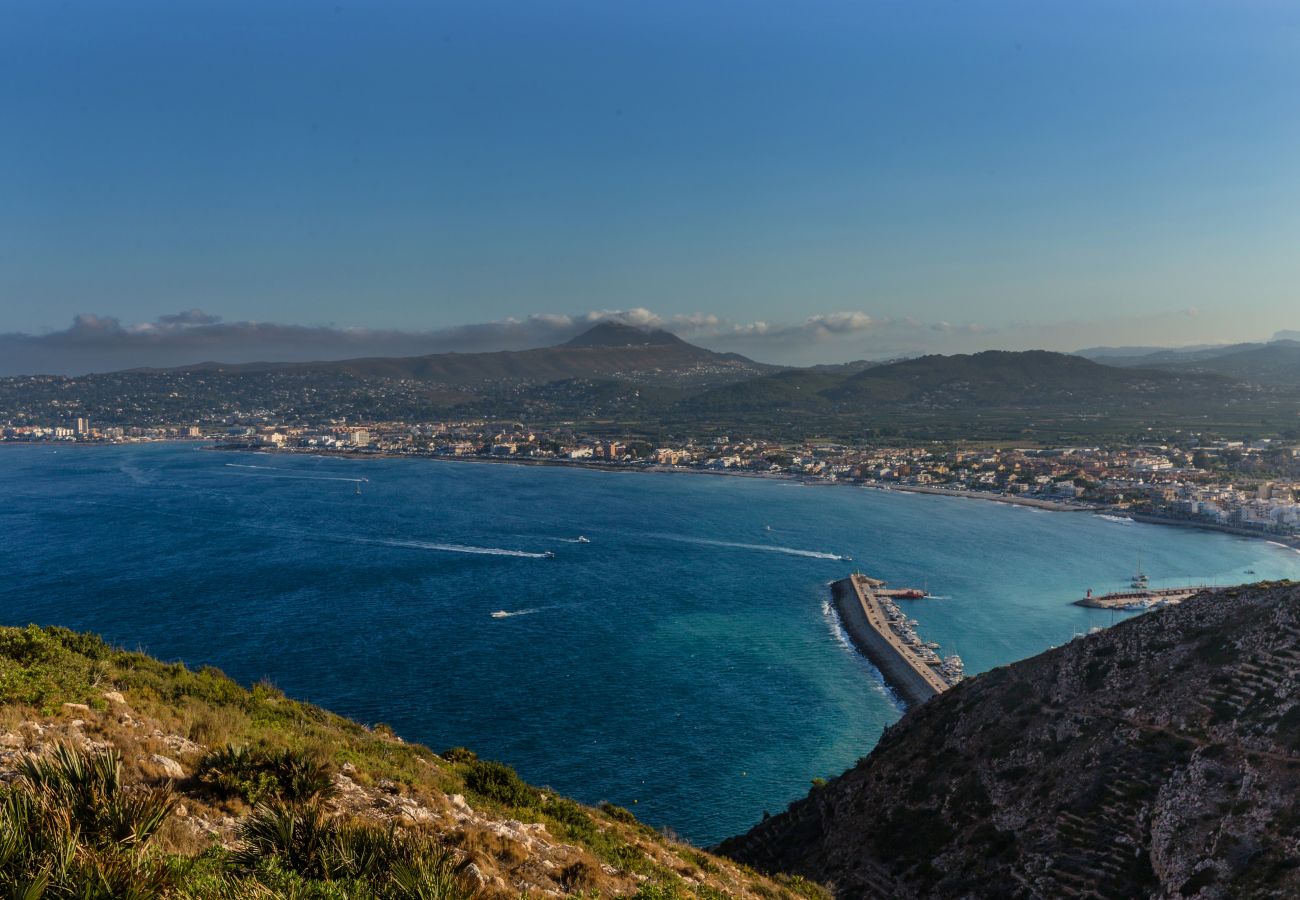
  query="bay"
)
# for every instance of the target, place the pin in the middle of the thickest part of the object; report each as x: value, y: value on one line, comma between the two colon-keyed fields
x: 682, y: 662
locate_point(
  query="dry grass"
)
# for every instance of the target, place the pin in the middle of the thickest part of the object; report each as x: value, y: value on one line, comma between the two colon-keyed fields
x: 586, y: 851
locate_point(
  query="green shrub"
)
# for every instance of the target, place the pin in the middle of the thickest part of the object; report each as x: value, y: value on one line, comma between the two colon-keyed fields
x: 497, y: 781
x: 573, y: 819
x: 619, y: 814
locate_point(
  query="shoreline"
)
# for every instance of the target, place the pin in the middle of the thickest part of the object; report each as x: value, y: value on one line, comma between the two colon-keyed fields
x: 1010, y: 499
x: 654, y: 469
x: 1284, y: 540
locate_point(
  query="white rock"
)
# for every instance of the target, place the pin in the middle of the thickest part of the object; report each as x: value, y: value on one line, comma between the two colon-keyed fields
x: 181, y: 744
x: 115, y: 697
x: 168, y: 765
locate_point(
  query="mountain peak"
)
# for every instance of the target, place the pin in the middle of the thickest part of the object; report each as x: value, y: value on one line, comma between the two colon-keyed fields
x: 616, y: 334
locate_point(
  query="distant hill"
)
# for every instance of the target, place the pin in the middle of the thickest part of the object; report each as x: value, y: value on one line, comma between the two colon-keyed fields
x: 1137, y: 356
x: 616, y: 334
x: 995, y: 378
x: 608, y: 349
x: 1276, y: 363
x: 1160, y: 758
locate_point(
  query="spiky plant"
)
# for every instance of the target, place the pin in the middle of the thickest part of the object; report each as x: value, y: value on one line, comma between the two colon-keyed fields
x: 298, y: 837
x: 89, y: 788
x: 259, y: 776
x: 302, y: 777
x: 68, y: 829
x: 432, y: 873
x: 303, y: 840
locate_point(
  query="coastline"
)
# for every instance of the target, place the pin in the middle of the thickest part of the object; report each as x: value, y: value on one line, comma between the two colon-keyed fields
x: 655, y: 469
x: 1013, y: 500
x: 1286, y: 540
x: 1291, y: 541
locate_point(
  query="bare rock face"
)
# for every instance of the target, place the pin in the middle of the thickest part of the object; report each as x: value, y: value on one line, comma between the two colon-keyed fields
x: 1158, y: 758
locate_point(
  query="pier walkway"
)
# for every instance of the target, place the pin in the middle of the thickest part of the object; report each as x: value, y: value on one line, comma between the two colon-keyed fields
x: 868, y: 626
x: 1143, y: 598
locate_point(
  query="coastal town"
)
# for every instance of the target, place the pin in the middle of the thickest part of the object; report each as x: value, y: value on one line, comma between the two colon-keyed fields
x: 1248, y: 487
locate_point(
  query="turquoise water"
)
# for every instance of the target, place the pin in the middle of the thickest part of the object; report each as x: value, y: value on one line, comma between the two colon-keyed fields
x: 683, y: 663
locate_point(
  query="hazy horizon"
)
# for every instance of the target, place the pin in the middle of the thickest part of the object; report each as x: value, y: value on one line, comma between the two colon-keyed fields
x: 801, y: 183
x: 95, y: 344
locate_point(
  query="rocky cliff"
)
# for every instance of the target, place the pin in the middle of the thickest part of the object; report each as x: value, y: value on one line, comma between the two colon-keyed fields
x: 1158, y: 758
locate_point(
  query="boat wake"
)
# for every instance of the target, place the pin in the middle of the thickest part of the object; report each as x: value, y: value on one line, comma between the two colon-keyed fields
x: 458, y: 548
x: 580, y: 539
x: 295, y: 477
x: 1119, y: 520
x: 767, y: 548
x: 510, y: 614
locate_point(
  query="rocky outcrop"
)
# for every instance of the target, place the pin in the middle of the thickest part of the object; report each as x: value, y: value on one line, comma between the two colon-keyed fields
x: 1158, y: 758
x: 578, y: 850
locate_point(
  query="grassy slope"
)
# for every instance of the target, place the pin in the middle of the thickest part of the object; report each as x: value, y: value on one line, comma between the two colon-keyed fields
x: 43, y: 669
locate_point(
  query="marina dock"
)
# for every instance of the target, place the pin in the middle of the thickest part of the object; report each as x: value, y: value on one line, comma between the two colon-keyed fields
x: 1142, y: 598
x: 885, y: 636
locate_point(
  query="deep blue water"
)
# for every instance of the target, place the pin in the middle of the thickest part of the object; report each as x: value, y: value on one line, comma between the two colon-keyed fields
x: 683, y: 663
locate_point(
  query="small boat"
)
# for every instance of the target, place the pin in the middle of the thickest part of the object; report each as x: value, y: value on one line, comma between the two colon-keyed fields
x: 500, y: 614
x: 911, y: 594
x: 582, y: 539
x: 1140, y: 579
x: 549, y: 554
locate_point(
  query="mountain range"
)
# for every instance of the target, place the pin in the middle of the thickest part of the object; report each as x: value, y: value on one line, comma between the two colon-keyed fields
x: 607, y: 350
x: 617, y: 373
x: 1275, y: 363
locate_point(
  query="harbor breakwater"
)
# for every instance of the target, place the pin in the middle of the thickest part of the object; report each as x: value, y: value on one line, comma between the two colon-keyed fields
x: 863, y: 619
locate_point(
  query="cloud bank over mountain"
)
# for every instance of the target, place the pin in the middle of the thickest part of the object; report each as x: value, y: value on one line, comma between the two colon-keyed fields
x: 95, y: 343
x: 98, y: 343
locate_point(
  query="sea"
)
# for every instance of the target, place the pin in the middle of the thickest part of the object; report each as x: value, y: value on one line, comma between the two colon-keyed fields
x: 682, y: 661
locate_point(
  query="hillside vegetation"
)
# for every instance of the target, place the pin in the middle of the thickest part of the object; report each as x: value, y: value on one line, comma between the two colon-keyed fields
x: 123, y: 776
x: 1159, y: 758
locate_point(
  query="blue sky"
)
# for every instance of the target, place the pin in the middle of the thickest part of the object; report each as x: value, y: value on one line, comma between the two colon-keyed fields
x: 947, y: 175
